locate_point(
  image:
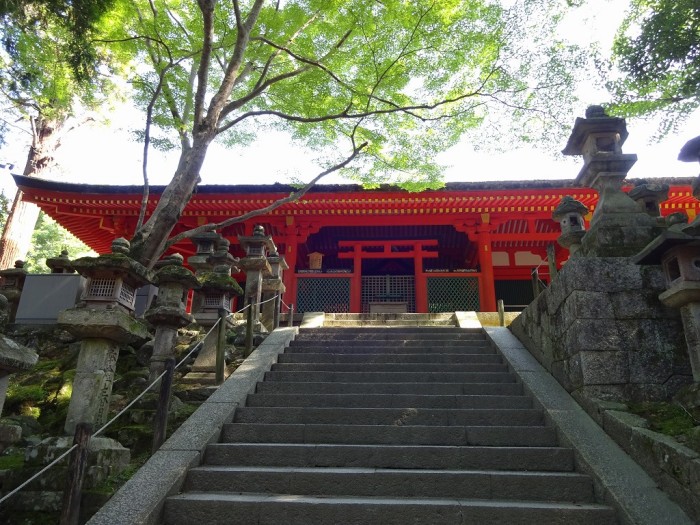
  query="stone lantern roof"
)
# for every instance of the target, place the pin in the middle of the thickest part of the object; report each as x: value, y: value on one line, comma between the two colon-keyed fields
x: 596, y: 121
x: 655, y: 250
x: 171, y: 270
x: 569, y: 205
x: 117, y: 263
x: 219, y: 279
x: 690, y: 152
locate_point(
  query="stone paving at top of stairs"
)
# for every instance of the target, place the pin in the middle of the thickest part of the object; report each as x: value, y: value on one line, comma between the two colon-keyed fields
x: 388, y: 426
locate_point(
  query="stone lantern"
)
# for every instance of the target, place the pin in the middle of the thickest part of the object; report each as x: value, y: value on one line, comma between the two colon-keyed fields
x: 649, y: 197
x: 214, y: 299
x: 205, y: 244
x: 570, y: 215
x: 61, y: 263
x: 212, y: 262
x: 217, y: 291
x: 679, y: 255
x: 255, y: 264
x: 619, y: 228
x: 169, y: 312
x: 11, y: 285
x: 273, y: 286
x: 103, y: 320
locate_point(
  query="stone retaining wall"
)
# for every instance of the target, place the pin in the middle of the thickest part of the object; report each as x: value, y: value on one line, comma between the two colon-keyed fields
x: 600, y: 329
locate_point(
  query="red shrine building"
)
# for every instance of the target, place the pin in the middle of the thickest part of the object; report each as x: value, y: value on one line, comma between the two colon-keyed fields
x: 459, y: 248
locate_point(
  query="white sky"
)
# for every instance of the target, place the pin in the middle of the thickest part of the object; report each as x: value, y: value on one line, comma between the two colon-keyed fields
x: 106, y: 156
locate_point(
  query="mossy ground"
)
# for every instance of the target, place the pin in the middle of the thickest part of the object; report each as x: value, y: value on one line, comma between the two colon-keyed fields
x: 38, y: 401
x: 671, y: 419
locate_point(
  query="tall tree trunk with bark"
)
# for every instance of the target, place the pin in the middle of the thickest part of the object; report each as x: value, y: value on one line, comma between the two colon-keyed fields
x: 149, y: 242
x: 17, y: 236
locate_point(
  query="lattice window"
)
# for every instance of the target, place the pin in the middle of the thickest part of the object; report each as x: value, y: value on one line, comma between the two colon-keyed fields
x: 102, y: 287
x: 323, y: 294
x: 127, y: 294
x: 388, y: 289
x: 213, y: 300
x: 453, y: 294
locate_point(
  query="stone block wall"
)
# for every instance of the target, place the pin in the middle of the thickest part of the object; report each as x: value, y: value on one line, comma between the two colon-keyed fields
x: 600, y: 329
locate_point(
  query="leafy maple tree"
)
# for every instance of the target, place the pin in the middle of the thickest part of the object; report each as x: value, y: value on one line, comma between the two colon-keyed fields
x: 380, y: 87
x: 658, y: 51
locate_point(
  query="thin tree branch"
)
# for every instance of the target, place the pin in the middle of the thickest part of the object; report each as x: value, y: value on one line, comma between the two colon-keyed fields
x: 228, y: 82
x: 345, y: 114
x: 207, y: 9
x: 255, y: 213
x: 274, y: 55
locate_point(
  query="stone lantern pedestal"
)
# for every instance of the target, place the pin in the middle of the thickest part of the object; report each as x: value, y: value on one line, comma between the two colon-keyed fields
x: 103, y: 320
x: 169, y: 312
x: 256, y: 265
x: 619, y: 228
x: 273, y: 287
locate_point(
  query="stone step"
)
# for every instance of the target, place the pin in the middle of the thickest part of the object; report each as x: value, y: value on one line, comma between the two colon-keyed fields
x: 307, y: 387
x: 339, y: 316
x: 388, y: 336
x: 272, y: 509
x: 333, y: 348
x: 451, y: 344
x: 399, y: 323
x: 545, y: 459
x: 389, y: 367
x: 464, y: 484
x: 501, y: 436
x: 366, y: 400
x: 389, y: 416
x: 309, y: 357
x: 392, y: 377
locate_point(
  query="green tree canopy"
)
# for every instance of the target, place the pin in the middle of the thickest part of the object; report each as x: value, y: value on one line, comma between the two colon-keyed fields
x: 380, y: 87
x: 658, y: 50
x: 48, y: 240
x: 51, y: 68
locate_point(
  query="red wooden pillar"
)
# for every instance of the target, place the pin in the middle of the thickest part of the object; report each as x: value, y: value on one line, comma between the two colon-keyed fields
x: 488, y: 287
x: 421, y: 282
x: 356, y: 281
x: 291, y: 242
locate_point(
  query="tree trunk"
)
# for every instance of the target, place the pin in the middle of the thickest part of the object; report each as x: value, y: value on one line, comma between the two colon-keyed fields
x: 148, y: 243
x: 17, y: 236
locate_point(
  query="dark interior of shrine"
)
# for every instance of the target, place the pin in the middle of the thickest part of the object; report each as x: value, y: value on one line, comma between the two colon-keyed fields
x: 454, y: 250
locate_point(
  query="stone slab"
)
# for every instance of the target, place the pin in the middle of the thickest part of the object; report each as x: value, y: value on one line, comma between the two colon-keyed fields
x: 623, y: 482
x: 467, y: 320
x: 313, y: 319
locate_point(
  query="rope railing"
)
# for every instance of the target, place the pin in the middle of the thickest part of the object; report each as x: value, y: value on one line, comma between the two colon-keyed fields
x: 38, y: 474
x: 160, y: 377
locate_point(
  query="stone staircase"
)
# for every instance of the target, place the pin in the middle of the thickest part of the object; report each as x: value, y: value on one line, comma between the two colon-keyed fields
x: 388, y: 426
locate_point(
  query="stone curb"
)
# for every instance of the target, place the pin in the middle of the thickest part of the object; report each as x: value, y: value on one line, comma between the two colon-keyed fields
x: 675, y: 467
x: 619, y: 481
x: 140, y: 500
